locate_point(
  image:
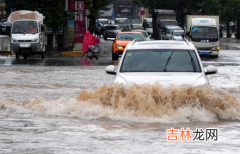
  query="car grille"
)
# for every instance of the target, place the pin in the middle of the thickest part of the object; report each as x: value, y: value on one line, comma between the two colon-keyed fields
x: 204, y: 48
x: 24, y: 40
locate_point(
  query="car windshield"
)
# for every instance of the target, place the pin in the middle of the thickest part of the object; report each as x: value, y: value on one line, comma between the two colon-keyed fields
x: 204, y: 33
x: 144, y: 33
x: 164, y: 23
x: 24, y: 27
x: 170, y: 30
x: 103, y: 21
x: 178, y: 33
x: 113, y: 28
x: 149, y: 24
x: 160, y: 61
x: 130, y: 36
x: 122, y: 21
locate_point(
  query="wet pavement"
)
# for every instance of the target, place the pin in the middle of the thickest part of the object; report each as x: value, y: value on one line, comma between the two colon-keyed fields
x: 60, y: 106
x: 229, y: 55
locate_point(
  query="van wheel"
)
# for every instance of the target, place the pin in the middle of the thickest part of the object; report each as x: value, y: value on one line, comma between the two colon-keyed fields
x: 17, y: 55
x: 214, y: 56
x: 42, y: 55
x: 114, y: 56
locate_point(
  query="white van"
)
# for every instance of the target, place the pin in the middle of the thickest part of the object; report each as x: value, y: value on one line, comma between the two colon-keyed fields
x: 27, y: 33
x: 147, y: 25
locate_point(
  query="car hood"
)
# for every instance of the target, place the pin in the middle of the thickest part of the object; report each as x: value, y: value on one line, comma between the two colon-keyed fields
x: 123, y: 43
x: 166, y: 79
x: 179, y: 38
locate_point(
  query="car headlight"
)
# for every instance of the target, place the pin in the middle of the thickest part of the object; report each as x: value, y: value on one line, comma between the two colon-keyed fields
x: 14, y: 41
x: 216, y: 48
x: 119, y: 46
x: 35, y: 40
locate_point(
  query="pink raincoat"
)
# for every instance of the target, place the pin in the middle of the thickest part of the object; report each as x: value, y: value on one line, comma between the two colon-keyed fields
x: 89, y: 39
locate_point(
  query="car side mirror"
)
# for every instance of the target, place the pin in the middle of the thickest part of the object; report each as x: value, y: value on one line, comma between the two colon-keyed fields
x: 211, y: 69
x: 110, y: 70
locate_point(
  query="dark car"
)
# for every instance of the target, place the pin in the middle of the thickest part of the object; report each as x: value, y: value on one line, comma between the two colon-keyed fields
x: 168, y: 31
x: 111, y: 31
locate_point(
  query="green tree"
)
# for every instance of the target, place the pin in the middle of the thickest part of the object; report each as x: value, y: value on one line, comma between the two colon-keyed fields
x: 95, y: 6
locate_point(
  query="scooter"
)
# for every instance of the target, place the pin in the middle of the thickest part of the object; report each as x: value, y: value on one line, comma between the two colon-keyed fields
x: 92, y: 52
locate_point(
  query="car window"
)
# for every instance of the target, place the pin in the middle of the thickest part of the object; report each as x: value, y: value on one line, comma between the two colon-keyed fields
x: 170, y: 30
x: 113, y: 28
x: 160, y: 61
x: 130, y: 36
x: 144, y: 33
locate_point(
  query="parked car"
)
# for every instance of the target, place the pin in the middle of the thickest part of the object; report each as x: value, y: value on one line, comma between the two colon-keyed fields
x: 168, y: 30
x: 111, y: 31
x: 166, y: 62
x: 178, y: 35
x: 121, y: 41
x: 145, y: 34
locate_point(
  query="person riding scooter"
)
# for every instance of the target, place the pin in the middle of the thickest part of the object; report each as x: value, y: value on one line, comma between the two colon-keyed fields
x: 88, y: 39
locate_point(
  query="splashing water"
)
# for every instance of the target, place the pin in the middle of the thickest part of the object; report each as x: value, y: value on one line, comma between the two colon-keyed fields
x: 141, y: 103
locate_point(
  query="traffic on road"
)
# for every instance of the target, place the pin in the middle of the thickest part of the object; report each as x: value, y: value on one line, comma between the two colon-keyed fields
x: 150, y: 87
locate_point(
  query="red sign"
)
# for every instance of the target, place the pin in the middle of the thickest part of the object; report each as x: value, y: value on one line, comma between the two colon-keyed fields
x: 79, y: 32
x: 79, y: 18
x: 142, y: 12
x: 78, y: 7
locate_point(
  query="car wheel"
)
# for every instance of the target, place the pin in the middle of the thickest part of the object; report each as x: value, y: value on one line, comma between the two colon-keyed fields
x: 42, y: 55
x: 114, y: 56
x: 214, y: 56
x: 17, y: 55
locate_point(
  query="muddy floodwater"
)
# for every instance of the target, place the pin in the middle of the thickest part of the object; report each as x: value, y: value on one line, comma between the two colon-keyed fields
x: 77, y: 110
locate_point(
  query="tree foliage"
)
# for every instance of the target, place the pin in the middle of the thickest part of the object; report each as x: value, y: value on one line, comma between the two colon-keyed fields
x: 95, y: 6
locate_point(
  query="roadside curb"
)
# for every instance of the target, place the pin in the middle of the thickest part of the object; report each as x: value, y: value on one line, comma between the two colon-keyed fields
x: 72, y: 53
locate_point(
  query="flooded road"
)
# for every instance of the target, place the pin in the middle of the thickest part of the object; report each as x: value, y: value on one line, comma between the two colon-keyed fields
x: 62, y: 110
x: 67, y: 105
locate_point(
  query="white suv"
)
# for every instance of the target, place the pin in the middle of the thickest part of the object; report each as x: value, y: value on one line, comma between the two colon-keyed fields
x: 166, y: 62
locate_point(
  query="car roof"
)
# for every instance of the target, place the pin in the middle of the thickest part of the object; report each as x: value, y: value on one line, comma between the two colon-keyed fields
x: 131, y: 32
x: 161, y: 44
x: 138, y: 30
x: 112, y: 25
x: 172, y: 26
x: 175, y: 28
